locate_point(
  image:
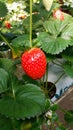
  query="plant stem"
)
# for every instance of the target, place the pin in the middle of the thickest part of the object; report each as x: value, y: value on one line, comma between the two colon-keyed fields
x: 57, y: 63
x: 56, y: 82
x: 22, y: 128
x: 6, y: 41
x: 13, y: 91
x: 59, y: 78
x: 65, y: 111
x: 13, y: 123
x: 46, y: 75
x: 30, y: 23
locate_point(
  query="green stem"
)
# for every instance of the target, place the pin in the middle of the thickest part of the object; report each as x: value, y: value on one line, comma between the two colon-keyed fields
x: 59, y: 78
x: 22, y: 128
x: 4, y: 39
x: 30, y: 23
x: 46, y: 75
x: 13, y: 123
x: 57, y: 64
x: 52, y: 126
x: 65, y: 111
x: 56, y: 82
x: 61, y: 109
x: 13, y: 91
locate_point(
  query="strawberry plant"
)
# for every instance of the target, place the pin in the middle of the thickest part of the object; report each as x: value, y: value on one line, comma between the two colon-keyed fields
x: 39, y: 39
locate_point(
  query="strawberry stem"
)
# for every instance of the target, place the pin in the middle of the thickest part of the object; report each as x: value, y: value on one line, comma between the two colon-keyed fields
x: 5, y: 40
x: 31, y: 23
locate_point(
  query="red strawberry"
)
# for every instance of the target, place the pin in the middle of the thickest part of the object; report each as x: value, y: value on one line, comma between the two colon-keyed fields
x: 34, y: 63
x: 58, y: 14
x: 7, y: 24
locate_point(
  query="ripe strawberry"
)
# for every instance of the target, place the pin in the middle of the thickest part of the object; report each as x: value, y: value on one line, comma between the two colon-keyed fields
x: 34, y: 63
x: 7, y: 24
x: 58, y: 14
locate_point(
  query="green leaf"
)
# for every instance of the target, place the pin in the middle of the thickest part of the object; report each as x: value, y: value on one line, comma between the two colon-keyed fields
x: 71, y: 41
x: 20, y: 42
x: 55, y: 5
x: 56, y: 27
x: 47, y: 104
x: 5, y: 123
x: 27, y: 79
x: 54, y: 117
x: 50, y: 57
x: 68, y: 19
x: 52, y: 27
x: 54, y: 107
x: 28, y: 101
x: 7, y: 64
x: 4, y: 77
x: 61, y: 128
x: 67, y: 32
x: 59, y: 35
x: 68, y: 69
x: 69, y: 117
x: 14, y: 83
x: 3, y: 9
x: 68, y: 54
x: 52, y: 45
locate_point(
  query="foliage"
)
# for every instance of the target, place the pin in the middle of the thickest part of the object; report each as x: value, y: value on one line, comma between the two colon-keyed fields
x: 19, y: 96
x: 69, y: 117
x: 57, y: 36
x: 3, y: 9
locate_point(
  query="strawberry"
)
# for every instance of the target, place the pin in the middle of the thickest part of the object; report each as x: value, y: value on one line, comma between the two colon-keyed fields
x: 7, y: 24
x: 34, y: 63
x: 58, y: 14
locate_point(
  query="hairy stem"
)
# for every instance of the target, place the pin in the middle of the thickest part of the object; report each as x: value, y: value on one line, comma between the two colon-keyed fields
x: 30, y: 23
